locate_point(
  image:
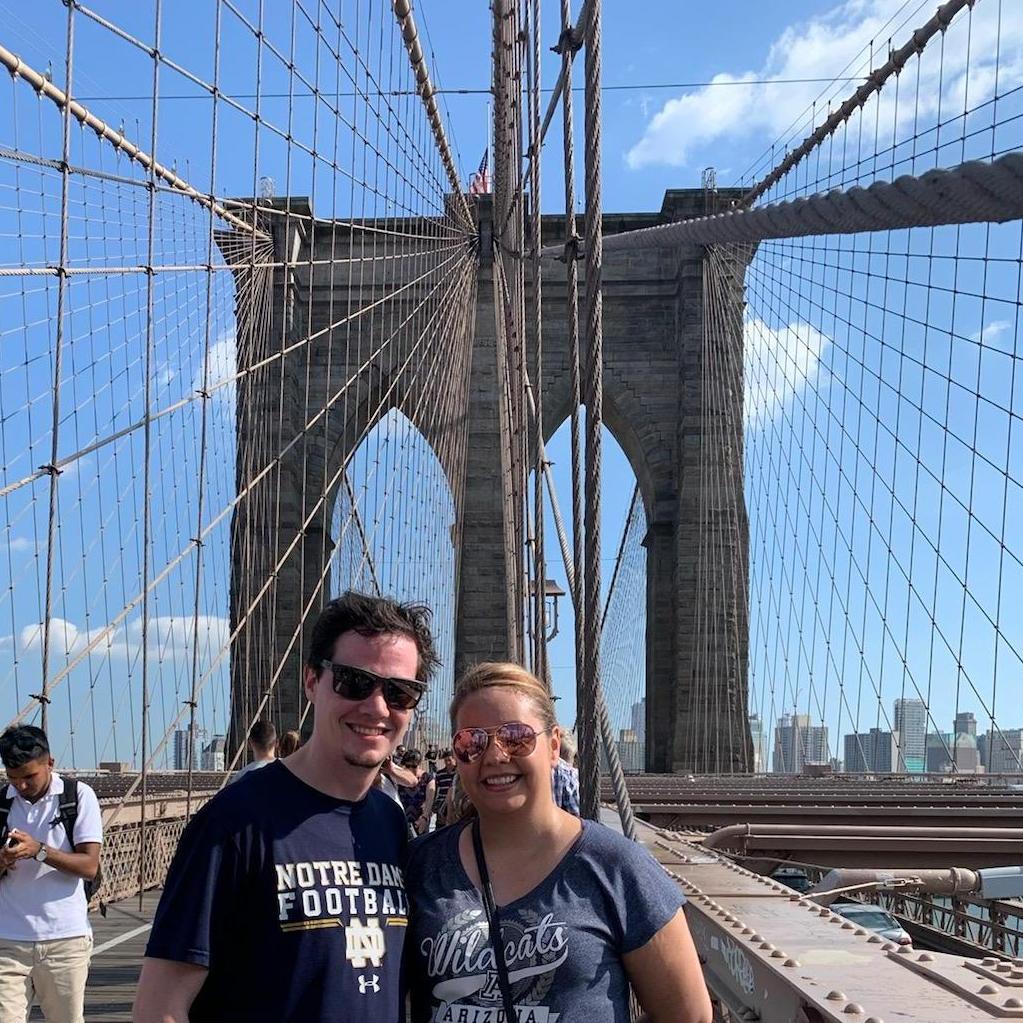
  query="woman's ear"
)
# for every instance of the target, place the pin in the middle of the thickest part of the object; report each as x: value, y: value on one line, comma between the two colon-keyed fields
x: 555, y: 745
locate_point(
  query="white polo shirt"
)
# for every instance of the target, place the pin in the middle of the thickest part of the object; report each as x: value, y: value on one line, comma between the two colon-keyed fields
x: 37, y: 902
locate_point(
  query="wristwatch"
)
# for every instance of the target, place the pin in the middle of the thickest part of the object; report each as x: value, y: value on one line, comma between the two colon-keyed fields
x: 40, y: 857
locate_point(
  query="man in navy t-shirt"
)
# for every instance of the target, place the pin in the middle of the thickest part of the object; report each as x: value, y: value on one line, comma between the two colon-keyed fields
x: 285, y: 900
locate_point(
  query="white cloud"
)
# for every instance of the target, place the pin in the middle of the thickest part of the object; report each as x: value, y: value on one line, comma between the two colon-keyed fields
x: 820, y: 48
x: 779, y: 364
x: 65, y: 637
x: 22, y: 545
x: 990, y: 332
x: 222, y: 365
x: 169, y: 637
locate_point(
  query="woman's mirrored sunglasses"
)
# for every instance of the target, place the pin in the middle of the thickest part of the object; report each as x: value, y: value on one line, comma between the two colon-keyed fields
x: 516, y: 738
x: 358, y: 683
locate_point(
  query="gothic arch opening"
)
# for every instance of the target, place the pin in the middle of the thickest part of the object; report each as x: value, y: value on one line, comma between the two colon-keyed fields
x: 623, y: 649
x: 393, y: 528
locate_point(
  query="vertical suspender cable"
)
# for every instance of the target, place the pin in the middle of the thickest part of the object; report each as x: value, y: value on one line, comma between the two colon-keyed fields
x: 572, y: 319
x: 539, y: 566
x: 62, y: 287
x: 588, y: 683
x: 508, y: 242
x: 148, y: 452
x: 204, y: 425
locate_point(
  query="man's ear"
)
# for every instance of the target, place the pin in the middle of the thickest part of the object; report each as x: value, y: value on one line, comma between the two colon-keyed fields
x: 309, y: 680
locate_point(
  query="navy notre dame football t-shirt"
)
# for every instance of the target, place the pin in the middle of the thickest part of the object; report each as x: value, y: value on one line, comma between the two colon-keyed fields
x: 293, y: 900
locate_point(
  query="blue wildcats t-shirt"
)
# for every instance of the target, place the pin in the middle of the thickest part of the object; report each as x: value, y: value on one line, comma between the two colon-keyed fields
x: 293, y: 900
x: 563, y: 941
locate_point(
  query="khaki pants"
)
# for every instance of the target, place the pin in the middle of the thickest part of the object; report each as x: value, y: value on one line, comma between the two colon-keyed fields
x: 51, y: 972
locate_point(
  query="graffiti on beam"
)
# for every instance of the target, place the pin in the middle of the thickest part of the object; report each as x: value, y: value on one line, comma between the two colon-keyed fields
x: 738, y: 964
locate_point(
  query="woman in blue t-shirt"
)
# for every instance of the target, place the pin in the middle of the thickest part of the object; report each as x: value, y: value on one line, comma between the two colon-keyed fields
x: 582, y: 912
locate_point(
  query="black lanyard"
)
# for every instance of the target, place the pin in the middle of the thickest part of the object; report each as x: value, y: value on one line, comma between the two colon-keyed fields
x: 495, y: 925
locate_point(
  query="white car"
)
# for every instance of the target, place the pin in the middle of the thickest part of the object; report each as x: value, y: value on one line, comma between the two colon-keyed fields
x: 873, y: 918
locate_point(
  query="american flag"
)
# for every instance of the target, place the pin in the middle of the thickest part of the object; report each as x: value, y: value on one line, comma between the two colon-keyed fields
x: 479, y: 183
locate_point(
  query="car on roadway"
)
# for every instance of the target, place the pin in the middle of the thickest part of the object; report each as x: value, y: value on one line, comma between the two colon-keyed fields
x: 873, y: 918
x: 792, y: 877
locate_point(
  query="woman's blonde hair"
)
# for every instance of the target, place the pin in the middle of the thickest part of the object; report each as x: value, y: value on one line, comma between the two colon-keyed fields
x: 504, y: 675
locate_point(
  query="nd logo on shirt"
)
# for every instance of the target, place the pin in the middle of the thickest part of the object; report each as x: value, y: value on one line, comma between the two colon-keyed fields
x: 363, y: 898
x: 364, y: 943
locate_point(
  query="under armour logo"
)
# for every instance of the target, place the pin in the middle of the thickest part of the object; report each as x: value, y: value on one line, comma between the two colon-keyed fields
x: 373, y: 984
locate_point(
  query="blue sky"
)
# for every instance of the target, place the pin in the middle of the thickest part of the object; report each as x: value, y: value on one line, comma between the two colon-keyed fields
x: 816, y: 368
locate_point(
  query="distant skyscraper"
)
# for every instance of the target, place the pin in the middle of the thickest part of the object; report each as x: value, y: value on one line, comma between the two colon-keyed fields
x: 630, y: 750
x: 947, y: 753
x: 759, y: 738
x: 1004, y: 751
x: 638, y: 719
x: 213, y: 754
x: 181, y: 750
x: 911, y: 724
x: 965, y: 724
x: 797, y: 743
x: 875, y: 751
x: 965, y: 752
x: 939, y: 752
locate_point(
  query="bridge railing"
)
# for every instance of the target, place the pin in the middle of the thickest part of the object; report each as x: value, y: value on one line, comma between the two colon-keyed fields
x: 127, y: 869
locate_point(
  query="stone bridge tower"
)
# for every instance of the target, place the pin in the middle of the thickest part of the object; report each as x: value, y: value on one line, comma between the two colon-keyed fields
x: 654, y: 339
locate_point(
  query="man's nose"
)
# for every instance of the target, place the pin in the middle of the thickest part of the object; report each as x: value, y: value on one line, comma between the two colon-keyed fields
x: 375, y: 701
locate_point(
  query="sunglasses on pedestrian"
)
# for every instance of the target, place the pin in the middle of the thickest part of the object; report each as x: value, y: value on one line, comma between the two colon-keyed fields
x: 516, y: 738
x: 358, y: 683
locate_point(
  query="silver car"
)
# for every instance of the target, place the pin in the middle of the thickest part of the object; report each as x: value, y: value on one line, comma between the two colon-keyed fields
x: 873, y: 918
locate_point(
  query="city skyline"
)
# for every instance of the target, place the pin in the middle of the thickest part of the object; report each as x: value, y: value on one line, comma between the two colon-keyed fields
x: 913, y: 749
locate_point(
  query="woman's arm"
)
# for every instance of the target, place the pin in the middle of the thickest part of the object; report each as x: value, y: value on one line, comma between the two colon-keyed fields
x: 666, y: 976
x: 431, y: 793
x: 401, y: 775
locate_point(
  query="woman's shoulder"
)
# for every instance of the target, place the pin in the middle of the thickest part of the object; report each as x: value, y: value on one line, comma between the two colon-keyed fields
x: 600, y: 840
x: 611, y: 854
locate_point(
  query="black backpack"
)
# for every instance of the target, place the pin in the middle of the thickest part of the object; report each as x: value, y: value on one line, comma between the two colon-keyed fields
x: 67, y: 814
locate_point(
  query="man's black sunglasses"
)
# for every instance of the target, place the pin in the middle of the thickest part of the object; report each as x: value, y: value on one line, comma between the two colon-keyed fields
x: 358, y: 683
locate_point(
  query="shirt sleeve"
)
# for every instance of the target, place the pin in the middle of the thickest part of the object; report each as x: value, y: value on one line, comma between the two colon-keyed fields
x: 646, y: 897
x: 89, y: 822
x: 199, y: 895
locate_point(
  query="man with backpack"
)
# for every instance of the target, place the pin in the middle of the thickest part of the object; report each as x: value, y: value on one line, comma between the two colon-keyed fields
x: 50, y: 836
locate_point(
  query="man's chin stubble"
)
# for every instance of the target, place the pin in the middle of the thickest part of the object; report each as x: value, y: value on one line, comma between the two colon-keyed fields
x: 367, y: 763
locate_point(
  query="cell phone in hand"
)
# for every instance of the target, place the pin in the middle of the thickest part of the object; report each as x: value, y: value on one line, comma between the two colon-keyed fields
x: 11, y: 842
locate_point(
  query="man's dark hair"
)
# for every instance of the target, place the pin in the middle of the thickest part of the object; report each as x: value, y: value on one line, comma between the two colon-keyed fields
x: 411, y: 758
x: 22, y: 743
x: 263, y: 735
x: 373, y: 616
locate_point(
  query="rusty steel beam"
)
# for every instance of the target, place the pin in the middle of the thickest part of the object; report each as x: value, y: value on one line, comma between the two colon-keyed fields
x: 771, y: 955
x: 870, y: 846
x: 716, y: 815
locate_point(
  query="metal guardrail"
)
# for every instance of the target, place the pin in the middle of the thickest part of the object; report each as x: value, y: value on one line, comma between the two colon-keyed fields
x: 122, y: 877
x: 990, y: 924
